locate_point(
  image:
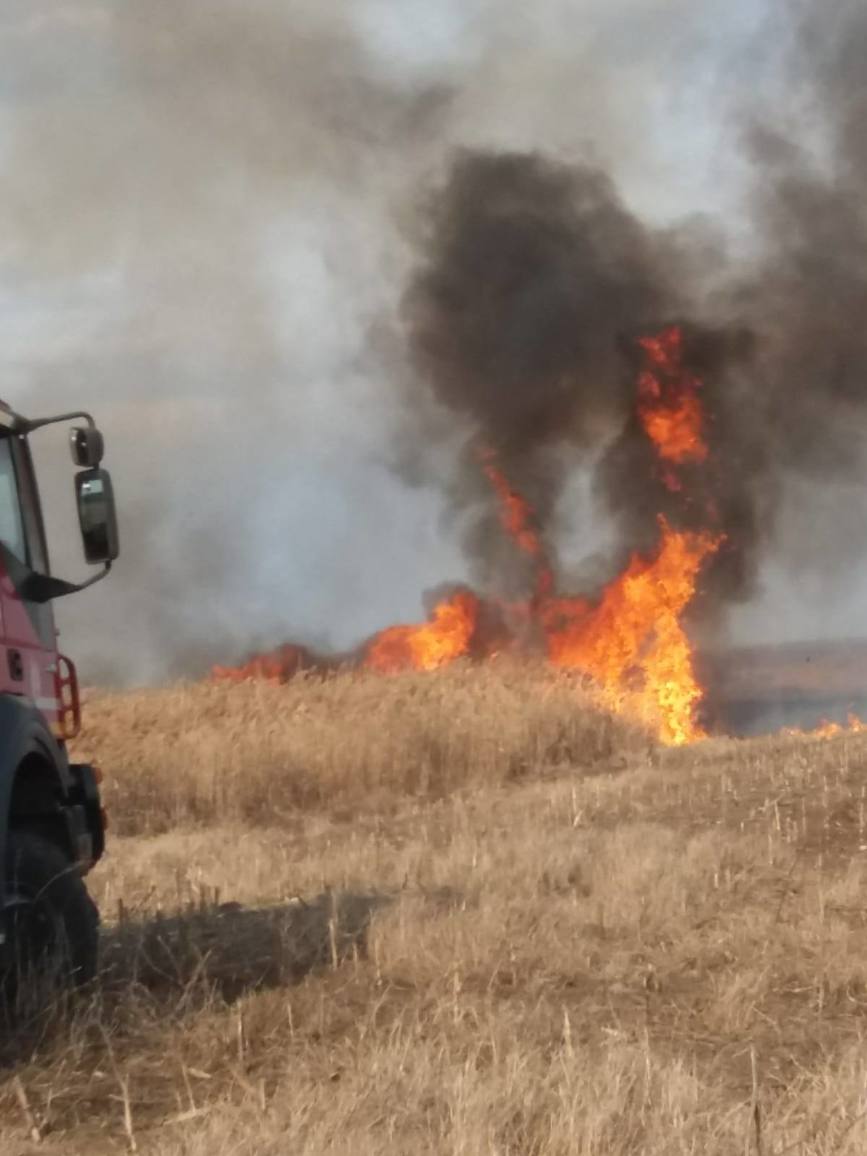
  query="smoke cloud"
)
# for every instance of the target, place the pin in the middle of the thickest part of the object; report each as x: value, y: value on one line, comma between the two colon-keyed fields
x: 199, y: 223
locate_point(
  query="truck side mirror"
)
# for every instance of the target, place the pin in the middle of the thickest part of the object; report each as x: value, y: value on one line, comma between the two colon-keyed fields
x: 96, y: 515
x: 87, y: 446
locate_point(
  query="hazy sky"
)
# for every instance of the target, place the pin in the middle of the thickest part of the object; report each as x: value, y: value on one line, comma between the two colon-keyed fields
x: 206, y: 223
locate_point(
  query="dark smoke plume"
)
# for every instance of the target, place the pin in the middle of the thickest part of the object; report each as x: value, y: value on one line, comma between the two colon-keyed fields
x: 536, y: 269
x: 533, y: 271
x: 536, y: 282
x: 525, y: 319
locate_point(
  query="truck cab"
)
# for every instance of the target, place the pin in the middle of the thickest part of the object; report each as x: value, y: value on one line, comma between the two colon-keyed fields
x: 51, y: 820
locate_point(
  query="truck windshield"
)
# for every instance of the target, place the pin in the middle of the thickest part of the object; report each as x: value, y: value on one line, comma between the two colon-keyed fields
x: 11, y: 525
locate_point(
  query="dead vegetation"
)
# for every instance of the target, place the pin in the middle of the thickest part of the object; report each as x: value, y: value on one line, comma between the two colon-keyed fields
x: 255, y: 752
x: 619, y: 952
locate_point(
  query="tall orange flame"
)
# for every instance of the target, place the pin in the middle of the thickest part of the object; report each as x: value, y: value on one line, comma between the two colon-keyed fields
x: 633, y: 643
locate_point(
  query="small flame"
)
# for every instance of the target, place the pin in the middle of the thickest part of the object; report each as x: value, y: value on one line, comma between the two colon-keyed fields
x: 517, y: 518
x: 279, y: 665
x: 446, y: 637
x: 516, y: 514
x: 830, y: 730
x: 669, y: 406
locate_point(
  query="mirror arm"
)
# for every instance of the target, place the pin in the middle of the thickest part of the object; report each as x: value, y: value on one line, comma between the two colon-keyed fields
x: 41, y: 588
x: 26, y: 426
x: 32, y: 586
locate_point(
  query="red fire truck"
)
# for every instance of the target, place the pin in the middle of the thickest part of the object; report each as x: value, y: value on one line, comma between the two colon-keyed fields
x: 51, y: 820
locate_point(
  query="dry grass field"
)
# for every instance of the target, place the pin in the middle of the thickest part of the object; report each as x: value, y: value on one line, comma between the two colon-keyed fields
x: 458, y: 913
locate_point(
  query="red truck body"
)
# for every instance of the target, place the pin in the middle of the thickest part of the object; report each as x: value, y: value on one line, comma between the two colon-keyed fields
x: 51, y: 819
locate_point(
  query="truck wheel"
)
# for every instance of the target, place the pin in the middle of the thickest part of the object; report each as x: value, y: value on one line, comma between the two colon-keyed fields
x: 52, y: 925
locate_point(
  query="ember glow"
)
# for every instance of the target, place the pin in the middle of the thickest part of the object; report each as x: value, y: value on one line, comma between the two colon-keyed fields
x: 628, y: 639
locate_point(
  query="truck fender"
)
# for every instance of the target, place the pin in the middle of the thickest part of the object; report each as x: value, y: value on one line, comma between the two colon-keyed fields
x: 24, y: 734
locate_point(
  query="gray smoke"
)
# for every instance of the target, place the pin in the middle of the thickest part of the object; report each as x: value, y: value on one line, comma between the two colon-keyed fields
x: 208, y: 216
x: 809, y: 290
x: 805, y: 289
x: 210, y: 201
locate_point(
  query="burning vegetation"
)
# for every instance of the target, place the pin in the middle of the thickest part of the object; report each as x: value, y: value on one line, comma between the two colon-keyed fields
x: 630, y: 640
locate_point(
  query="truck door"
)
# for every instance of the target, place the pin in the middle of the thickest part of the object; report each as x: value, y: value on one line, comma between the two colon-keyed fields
x: 28, y: 644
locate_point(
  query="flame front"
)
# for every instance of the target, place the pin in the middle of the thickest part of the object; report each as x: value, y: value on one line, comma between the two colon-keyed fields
x: 443, y: 639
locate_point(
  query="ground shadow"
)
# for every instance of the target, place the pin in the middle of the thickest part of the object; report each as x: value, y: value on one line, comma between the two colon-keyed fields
x: 166, y: 967
x: 230, y: 949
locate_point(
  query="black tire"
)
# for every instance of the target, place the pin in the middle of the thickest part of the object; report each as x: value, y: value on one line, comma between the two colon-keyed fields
x: 52, y: 924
